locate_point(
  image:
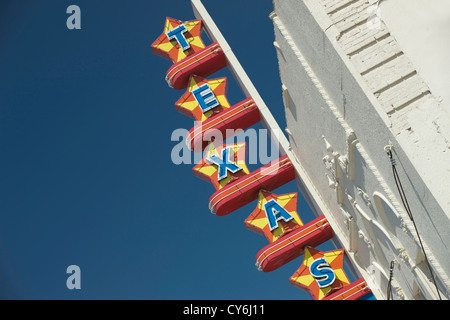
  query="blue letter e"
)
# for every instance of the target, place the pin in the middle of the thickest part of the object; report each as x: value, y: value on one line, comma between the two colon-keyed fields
x: 205, y: 97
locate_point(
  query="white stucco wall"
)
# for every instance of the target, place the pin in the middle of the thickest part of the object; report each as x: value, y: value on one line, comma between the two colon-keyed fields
x: 422, y: 28
x: 352, y: 90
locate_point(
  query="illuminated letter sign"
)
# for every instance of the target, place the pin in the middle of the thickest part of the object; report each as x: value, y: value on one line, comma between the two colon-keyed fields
x: 205, y: 97
x: 275, y: 212
x: 177, y: 33
x: 224, y: 164
x: 322, y: 272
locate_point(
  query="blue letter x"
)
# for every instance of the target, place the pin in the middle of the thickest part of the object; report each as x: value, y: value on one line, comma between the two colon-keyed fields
x: 224, y: 164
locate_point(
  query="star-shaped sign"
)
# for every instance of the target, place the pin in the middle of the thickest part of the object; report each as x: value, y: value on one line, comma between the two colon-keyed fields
x: 179, y: 39
x: 321, y: 273
x: 203, y: 98
x: 222, y: 164
x: 266, y: 213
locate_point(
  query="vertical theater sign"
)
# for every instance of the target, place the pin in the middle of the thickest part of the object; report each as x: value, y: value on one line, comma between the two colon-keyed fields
x: 224, y: 166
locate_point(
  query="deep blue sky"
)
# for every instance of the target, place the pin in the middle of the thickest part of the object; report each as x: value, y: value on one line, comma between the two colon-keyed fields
x: 86, y: 176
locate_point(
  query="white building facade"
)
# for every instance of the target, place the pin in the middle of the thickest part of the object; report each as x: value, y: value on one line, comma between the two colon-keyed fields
x: 357, y: 86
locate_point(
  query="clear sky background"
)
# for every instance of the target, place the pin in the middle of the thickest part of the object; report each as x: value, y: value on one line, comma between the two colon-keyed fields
x: 86, y: 176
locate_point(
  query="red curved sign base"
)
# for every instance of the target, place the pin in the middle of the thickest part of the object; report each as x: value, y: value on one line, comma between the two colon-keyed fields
x: 239, y: 116
x: 246, y: 189
x: 292, y: 245
x: 203, y: 63
x: 353, y: 291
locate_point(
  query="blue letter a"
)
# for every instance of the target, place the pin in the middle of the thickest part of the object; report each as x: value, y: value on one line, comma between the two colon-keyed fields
x: 275, y: 212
